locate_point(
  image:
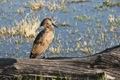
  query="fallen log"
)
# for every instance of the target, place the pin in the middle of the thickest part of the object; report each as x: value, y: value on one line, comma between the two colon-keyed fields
x: 105, y: 64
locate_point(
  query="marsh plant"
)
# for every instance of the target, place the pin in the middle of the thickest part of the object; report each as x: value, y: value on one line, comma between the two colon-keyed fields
x: 26, y: 27
x: 36, y: 4
x: 85, y: 27
x: 50, y: 5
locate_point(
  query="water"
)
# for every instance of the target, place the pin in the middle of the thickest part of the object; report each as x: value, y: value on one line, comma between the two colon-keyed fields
x: 87, y: 34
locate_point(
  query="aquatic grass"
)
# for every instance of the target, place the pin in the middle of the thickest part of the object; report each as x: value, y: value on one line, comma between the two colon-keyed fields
x: 26, y: 27
x: 87, y: 47
x: 56, y: 50
x: 2, y: 2
x: 97, y: 35
x: 50, y: 5
x: 78, y: 1
x: 111, y: 18
x: 36, y: 4
x: 3, y: 30
x: 87, y: 51
x: 20, y: 11
x: 0, y: 51
x: 110, y: 3
x: 12, y: 31
x: 118, y: 4
x: 78, y: 18
x: 82, y: 18
x: 64, y: 24
x: 113, y: 23
x: 101, y: 8
x: 53, y: 6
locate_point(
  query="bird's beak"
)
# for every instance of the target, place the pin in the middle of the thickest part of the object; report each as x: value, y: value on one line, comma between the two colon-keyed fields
x: 54, y: 25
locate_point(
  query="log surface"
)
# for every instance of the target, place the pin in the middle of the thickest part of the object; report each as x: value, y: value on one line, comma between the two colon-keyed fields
x: 105, y: 63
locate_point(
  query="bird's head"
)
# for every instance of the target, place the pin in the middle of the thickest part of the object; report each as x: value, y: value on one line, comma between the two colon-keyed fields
x: 48, y: 22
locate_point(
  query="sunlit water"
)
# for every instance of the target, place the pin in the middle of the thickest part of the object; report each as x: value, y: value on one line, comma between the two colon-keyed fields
x: 83, y: 37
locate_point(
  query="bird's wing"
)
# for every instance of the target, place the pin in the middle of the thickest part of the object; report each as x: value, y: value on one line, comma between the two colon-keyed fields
x: 38, y: 46
x: 42, y: 41
x: 38, y: 49
x: 40, y: 37
x: 44, y: 37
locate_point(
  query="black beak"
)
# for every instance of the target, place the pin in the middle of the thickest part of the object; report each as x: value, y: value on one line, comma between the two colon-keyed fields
x: 54, y: 25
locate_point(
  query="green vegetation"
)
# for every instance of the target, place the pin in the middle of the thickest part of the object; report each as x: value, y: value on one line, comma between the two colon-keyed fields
x: 26, y: 27
x: 45, y: 77
x: 36, y: 5
x: 111, y: 3
x: 82, y: 18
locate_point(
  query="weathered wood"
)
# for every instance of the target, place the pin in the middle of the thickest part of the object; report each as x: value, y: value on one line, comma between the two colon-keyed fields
x: 105, y: 63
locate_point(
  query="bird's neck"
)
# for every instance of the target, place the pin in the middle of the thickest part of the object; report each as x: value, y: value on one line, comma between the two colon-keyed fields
x: 51, y: 28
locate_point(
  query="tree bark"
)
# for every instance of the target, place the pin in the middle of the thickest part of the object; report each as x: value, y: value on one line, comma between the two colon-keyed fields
x: 105, y: 64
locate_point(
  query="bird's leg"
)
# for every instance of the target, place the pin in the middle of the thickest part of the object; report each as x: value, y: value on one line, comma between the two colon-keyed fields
x: 32, y: 55
x: 44, y: 57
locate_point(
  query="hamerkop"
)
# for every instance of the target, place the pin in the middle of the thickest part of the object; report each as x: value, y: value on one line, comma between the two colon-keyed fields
x: 44, y: 38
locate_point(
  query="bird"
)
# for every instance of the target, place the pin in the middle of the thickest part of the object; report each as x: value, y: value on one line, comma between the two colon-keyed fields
x: 44, y: 38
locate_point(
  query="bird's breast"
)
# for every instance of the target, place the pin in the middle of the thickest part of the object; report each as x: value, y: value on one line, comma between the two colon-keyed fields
x: 49, y: 37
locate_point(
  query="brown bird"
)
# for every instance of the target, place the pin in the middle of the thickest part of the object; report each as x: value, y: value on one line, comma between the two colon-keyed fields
x: 44, y: 38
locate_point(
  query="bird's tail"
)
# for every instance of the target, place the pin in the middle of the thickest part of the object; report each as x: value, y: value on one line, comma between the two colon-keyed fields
x: 32, y: 55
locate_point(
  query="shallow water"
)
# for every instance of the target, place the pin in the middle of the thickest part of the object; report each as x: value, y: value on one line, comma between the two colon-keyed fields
x: 85, y: 36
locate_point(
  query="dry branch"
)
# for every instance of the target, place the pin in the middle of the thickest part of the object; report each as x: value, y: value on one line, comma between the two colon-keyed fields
x: 105, y: 63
